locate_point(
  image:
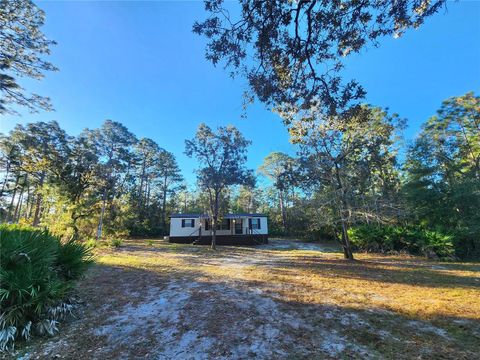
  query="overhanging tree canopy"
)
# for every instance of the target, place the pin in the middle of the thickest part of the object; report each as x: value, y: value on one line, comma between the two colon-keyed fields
x: 292, y: 52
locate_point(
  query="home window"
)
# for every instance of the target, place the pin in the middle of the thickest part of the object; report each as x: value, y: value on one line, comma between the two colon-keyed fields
x: 255, y: 223
x: 224, y: 224
x: 221, y: 225
x: 188, y: 223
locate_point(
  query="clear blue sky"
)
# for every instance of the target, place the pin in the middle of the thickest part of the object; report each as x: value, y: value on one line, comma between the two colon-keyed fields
x: 140, y: 64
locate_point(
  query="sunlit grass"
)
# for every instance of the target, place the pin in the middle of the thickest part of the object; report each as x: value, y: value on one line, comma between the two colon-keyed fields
x: 408, y: 286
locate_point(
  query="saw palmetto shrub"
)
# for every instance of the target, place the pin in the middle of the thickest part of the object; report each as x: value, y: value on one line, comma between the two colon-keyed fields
x: 37, y: 275
x: 412, y: 239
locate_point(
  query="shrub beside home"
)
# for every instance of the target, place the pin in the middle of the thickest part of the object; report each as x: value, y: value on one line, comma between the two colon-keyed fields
x: 37, y: 275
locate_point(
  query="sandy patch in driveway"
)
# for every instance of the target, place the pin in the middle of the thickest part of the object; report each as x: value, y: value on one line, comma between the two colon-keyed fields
x: 275, y: 244
x: 201, y: 320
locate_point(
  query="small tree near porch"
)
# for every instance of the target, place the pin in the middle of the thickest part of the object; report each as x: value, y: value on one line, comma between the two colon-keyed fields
x: 221, y: 156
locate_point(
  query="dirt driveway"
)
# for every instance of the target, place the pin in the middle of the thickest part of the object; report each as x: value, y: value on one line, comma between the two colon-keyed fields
x: 285, y: 300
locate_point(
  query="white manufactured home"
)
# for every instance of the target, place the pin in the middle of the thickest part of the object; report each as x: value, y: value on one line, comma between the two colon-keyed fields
x: 232, y: 229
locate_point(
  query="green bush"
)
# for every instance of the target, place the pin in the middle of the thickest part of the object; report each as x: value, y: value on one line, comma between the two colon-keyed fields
x: 467, y: 242
x: 438, y: 243
x: 414, y: 240
x: 37, y: 273
x: 116, y: 242
x: 91, y: 243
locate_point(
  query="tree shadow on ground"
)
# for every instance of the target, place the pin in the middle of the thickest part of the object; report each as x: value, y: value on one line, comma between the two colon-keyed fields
x: 379, y: 271
x: 379, y: 268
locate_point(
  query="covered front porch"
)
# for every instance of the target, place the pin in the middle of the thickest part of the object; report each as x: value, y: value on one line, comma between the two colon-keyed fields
x: 230, y: 225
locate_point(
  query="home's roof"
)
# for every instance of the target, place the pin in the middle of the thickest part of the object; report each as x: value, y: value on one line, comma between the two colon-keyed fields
x: 232, y: 216
x: 205, y: 216
x: 185, y: 216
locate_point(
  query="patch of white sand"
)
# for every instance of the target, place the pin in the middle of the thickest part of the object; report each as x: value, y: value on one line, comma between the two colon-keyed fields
x: 333, y: 344
x: 293, y: 245
x: 160, y: 313
x: 428, y: 328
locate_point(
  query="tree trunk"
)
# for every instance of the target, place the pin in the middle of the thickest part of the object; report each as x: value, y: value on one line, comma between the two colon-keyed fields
x: 25, y: 200
x: 6, y: 179
x: 100, y: 223
x: 74, y: 218
x: 282, y: 210
x: 164, y: 206
x: 214, y: 222
x: 12, y: 201
x: 185, y: 203
x: 347, y: 249
x: 214, y: 232
x: 18, y: 207
x: 36, y: 216
x: 30, y: 201
x: 24, y: 208
x: 148, y: 195
x: 140, y: 192
x: 10, y: 215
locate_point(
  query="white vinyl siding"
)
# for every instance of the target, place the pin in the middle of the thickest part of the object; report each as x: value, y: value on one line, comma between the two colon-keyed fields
x: 191, y: 226
x: 176, y: 228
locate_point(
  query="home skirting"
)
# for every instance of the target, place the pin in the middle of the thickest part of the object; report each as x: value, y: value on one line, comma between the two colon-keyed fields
x: 254, y: 239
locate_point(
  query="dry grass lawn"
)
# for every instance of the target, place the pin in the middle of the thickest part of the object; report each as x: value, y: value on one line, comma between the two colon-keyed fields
x: 285, y: 300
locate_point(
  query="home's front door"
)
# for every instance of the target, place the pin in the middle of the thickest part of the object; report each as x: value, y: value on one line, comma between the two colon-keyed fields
x: 239, y: 227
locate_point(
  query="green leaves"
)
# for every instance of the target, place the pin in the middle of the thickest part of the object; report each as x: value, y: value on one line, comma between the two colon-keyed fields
x: 412, y: 239
x: 36, y: 275
x: 442, y: 185
x: 74, y: 177
x: 73, y: 259
x: 292, y: 52
x: 23, y: 47
x: 222, y: 156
